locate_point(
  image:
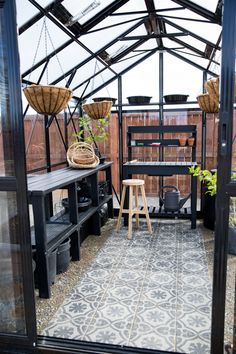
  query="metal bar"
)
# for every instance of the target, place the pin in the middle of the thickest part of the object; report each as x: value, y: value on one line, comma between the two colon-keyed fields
x: 214, y: 52
x: 149, y: 36
x: 37, y: 17
x: 146, y: 11
x: 191, y: 62
x: 199, y: 10
x: 223, y: 174
x: 161, y: 112
x: 64, y: 29
x: 194, y: 35
x: 121, y: 73
x: 121, y: 157
x: 98, y: 52
x: 62, y: 138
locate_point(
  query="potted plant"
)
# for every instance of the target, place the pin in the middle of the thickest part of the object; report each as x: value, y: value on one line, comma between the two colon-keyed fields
x: 93, y: 131
x: 209, y: 179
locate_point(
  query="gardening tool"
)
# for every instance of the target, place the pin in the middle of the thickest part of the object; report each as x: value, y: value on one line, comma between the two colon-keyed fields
x: 171, y: 200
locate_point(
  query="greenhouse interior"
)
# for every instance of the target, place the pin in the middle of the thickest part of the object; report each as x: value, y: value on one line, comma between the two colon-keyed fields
x: 118, y: 176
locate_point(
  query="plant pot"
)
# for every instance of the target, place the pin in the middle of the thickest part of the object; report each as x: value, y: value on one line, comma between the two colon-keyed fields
x: 191, y: 141
x: 63, y: 256
x: 209, y: 211
x: 99, y: 99
x: 139, y: 99
x: 232, y: 240
x: 97, y: 110
x: 176, y: 98
x: 47, y: 99
x: 182, y: 141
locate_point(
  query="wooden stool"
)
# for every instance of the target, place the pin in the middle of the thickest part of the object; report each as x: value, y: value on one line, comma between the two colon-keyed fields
x: 133, y: 184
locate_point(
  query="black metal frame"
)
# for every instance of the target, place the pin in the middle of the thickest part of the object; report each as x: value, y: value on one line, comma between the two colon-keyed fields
x: 18, y: 182
x: 225, y: 187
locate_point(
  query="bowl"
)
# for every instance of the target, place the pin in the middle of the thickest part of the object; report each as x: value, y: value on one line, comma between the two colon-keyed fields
x: 99, y: 99
x: 139, y: 99
x: 175, y: 98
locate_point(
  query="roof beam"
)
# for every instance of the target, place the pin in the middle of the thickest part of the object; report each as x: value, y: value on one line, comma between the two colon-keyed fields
x: 191, y: 62
x: 122, y: 72
x: 211, y: 16
x: 194, y: 35
x: 98, y: 52
x: 149, y: 36
x: 154, y: 25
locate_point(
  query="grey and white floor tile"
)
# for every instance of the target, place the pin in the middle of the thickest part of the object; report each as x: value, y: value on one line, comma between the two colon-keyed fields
x: 149, y: 292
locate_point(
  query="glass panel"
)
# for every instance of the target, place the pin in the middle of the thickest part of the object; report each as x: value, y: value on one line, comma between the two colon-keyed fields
x: 230, y: 282
x: 173, y: 79
x: 34, y: 141
x: 6, y: 139
x: 11, y: 282
x: 38, y: 41
x: 86, y: 9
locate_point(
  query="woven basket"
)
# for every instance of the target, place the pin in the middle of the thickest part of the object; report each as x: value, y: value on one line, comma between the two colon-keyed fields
x: 47, y: 99
x: 212, y: 87
x: 207, y: 103
x: 97, y: 110
x: 82, y: 155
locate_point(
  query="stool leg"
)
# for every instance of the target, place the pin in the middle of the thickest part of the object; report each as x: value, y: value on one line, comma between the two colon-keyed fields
x: 136, y: 206
x: 146, y: 209
x: 121, y: 208
x: 130, y: 212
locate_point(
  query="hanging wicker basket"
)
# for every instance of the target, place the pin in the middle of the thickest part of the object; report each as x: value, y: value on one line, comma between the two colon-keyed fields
x: 47, y: 99
x: 82, y: 155
x: 212, y: 87
x: 97, y: 110
x: 207, y: 103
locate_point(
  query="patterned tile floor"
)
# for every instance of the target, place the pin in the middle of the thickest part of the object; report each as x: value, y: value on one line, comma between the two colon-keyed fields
x: 149, y: 292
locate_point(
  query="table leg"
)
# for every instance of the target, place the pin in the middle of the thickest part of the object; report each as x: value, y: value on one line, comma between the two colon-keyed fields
x: 193, y: 202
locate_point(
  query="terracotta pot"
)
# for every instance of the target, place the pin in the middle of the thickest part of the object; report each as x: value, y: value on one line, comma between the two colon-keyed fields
x: 191, y: 141
x: 182, y: 141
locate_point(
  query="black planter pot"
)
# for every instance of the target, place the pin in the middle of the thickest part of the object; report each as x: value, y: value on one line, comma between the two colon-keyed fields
x: 209, y: 211
x: 232, y: 240
x: 63, y: 256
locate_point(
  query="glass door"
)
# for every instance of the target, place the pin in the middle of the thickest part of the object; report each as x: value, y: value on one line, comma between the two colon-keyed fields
x: 17, y: 319
x: 223, y: 312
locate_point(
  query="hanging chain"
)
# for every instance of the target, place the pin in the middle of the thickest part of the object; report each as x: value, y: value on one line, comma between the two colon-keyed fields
x: 47, y: 35
x: 45, y: 45
x: 58, y: 61
x: 37, y: 48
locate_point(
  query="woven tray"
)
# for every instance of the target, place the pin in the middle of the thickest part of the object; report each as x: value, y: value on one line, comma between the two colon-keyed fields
x: 82, y: 155
x: 207, y: 103
x: 47, y: 99
x: 97, y: 110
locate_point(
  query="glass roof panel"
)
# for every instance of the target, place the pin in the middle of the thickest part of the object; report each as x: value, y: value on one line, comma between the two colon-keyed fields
x: 34, y: 44
x: 84, y: 10
x: 126, y: 62
x: 181, y: 78
x: 96, y: 40
x: 209, y: 4
x: 29, y: 11
x: 143, y: 79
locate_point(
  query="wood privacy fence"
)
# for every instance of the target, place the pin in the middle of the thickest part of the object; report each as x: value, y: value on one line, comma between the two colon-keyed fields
x: 36, y: 155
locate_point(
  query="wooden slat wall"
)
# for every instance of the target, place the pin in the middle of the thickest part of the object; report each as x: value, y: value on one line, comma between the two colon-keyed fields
x: 35, y: 153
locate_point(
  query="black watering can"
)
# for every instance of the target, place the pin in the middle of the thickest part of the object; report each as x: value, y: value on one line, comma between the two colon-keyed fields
x: 172, y: 201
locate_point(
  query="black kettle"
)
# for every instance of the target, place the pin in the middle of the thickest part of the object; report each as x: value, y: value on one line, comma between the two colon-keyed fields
x: 171, y: 200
